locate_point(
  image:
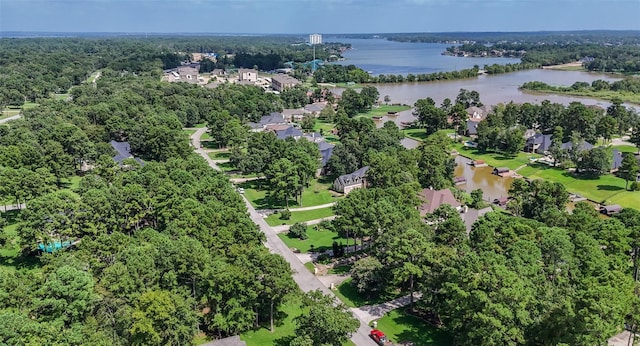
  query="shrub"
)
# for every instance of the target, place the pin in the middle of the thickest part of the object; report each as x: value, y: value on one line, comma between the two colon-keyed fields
x: 324, y: 258
x: 635, y: 186
x: 285, y: 214
x: 298, y: 230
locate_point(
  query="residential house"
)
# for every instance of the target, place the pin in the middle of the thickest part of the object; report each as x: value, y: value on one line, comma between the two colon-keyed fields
x: 348, y: 182
x: 188, y: 74
x: 247, y: 75
x: 123, y: 150
x: 470, y: 216
x: 314, y: 137
x: 282, y: 81
x: 274, y: 118
x: 435, y: 198
x: 289, y: 132
x: 315, y: 108
x: 326, y: 150
x: 472, y: 128
x: 616, y: 160
x: 478, y: 113
x: 292, y: 115
x: 582, y: 147
x: 218, y: 72
x: 538, y: 143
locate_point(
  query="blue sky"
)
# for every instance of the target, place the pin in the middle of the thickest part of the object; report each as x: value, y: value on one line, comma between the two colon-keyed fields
x: 323, y: 16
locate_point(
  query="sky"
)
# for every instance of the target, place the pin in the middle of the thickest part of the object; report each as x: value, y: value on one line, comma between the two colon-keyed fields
x: 322, y: 16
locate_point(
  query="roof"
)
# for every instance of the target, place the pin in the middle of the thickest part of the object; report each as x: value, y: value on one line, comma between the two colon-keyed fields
x: 353, y: 178
x: 501, y: 169
x: 315, y: 107
x: 472, y: 127
x: 230, y: 341
x: 284, y: 79
x: 614, y: 208
x: 326, y: 150
x: 288, y: 112
x: 435, y: 198
x: 616, y: 161
x: 288, y: 132
x: 272, y: 118
x: 123, y: 150
x: 246, y: 70
x: 584, y: 146
x: 472, y: 215
x: 543, y: 141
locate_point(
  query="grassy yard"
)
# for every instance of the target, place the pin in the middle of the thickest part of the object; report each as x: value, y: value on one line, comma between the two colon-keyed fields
x: 300, y: 216
x: 353, y: 299
x: 383, y: 110
x: 317, y: 193
x: 227, y: 167
x: 414, y: 133
x: 10, y: 256
x: 495, y: 159
x: 323, y: 125
x: 220, y: 155
x: 284, y: 327
x: 318, y: 240
x: 626, y: 148
x: 189, y: 132
x: 607, y: 188
x: 205, y: 136
x: 400, y: 326
x: 606, y: 95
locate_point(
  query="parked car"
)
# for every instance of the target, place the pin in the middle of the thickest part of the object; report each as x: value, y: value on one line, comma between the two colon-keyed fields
x: 241, y: 190
x: 378, y: 337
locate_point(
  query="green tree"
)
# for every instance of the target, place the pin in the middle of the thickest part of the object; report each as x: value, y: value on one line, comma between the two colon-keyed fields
x: 435, y: 165
x: 606, y: 127
x: 596, y: 161
x: 308, y: 122
x: 325, y: 314
x: 298, y: 230
x: 629, y: 169
x: 283, y: 179
x: 162, y: 318
x: 368, y: 276
x: 406, y: 256
x: 635, y: 137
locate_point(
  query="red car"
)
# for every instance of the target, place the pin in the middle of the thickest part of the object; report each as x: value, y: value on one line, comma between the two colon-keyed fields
x: 378, y: 337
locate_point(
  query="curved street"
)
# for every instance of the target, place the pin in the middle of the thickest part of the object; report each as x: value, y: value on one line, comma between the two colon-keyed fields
x: 301, y: 275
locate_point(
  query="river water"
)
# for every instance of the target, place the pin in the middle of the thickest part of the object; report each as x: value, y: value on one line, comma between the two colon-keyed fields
x: 379, y: 56
x: 386, y: 57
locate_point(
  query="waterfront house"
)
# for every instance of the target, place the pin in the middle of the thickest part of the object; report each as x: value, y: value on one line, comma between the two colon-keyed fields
x: 434, y: 198
x: 348, y: 182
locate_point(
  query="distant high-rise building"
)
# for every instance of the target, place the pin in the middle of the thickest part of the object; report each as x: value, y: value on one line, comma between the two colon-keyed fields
x: 315, y: 39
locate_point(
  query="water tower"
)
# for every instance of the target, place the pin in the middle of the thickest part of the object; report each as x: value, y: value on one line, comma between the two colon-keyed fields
x: 314, y: 39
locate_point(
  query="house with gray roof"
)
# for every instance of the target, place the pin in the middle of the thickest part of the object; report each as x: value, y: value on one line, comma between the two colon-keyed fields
x: 582, y: 147
x: 315, y: 108
x: 538, y: 143
x: 123, y: 150
x: 472, y: 128
x: 326, y: 150
x: 293, y: 114
x: 289, y: 132
x: 348, y: 182
x: 274, y: 118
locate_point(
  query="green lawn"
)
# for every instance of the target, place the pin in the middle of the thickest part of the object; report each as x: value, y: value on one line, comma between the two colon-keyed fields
x: 317, y: 193
x: 340, y: 270
x: 607, y: 188
x: 310, y: 266
x: 205, y: 136
x: 284, y: 327
x: 414, y: 133
x: 323, y: 125
x: 199, y: 126
x: 606, y: 95
x: 300, y: 216
x: 399, y: 326
x: 626, y: 148
x: 383, y: 109
x: 10, y: 256
x: 189, y: 132
x: 219, y: 155
x: 320, y: 240
x: 350, y: 296
x: 227, y: 167
x: 495, y: 159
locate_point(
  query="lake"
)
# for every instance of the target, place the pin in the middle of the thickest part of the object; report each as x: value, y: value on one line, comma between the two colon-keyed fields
x: 379, y: 56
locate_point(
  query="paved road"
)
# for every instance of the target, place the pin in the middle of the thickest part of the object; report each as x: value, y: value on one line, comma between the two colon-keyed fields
x: 14, y: 117
x: 314, y: 207
x: 12, y: 207
x: 305, y: 280
x: 373, y: 312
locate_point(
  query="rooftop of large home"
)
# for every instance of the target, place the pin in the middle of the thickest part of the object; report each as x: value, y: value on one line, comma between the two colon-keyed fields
x: 326, y: 150
x: 123, y: 150
x: 284, y: 79
x: 435, y: 198
x: 353, y: 178
x: 289, y: 132
x: 271, y: 119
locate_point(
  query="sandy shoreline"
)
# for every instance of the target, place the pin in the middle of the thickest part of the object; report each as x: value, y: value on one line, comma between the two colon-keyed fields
x: 561, y: 66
